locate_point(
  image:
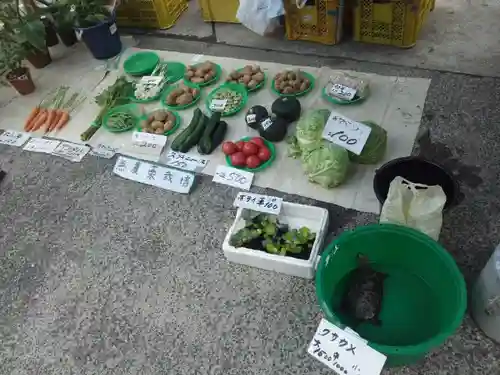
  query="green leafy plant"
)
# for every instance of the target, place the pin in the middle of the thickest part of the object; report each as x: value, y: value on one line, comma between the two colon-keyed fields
x: 12, y: 53
x: 79, y: 13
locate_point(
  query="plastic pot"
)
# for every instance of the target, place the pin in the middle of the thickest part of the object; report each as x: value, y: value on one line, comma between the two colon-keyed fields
x: 416, y: 170
x: 67, y: 35
x: 21, y: 80
x: 39, y: 59
x: 103, y: 40
x: 50, y: 34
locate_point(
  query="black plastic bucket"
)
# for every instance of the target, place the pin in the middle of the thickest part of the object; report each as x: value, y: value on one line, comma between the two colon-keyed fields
x: 417, y: 170
x: 102, y: 40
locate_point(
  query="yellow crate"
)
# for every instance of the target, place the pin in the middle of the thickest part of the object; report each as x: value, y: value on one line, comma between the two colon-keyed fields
x: 321, y: 22
x: 390, y: 22
x: 156, y: 14
x: 219, y: 10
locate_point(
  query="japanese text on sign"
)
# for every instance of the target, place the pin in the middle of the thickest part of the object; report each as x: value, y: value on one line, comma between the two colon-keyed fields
x: 186, y: 162
x: 71, y: 151
x: 266, y: 123
x: 104, y: 151
x: 46, y: 146
x: 218, y: 105
x: 346, y: 133
x: 146, y: 143
x: 155, y: 175
x: 257, y: 202
x: 13, y: 138
x: 151, y: 80
x: 233, y: 177
x: 342, y: 92
x: 344, y: 353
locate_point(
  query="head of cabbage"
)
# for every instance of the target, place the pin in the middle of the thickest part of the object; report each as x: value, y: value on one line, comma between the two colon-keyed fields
x: 324, y: 162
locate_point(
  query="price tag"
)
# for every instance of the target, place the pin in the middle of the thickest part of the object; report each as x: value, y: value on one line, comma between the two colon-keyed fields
x: 233, y: 177
x: 345, y: 132
x: 251, y: 118
x: 343, y: 92
x: 344, y: 353
x: 151, y: 80
x: 71, y: 151
x: 46, y: 146
x: 218, y: 105
x: 186, y: 162
x: 257, y: 202
x: 265, y: 124
x: 13, y: 138
x: 113, y: 29
x: 103, y: 151
x: 146, y: 143
x: 154, y: 175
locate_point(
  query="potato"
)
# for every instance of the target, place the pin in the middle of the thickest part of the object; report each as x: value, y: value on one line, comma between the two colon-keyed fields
x: 245, y: 79
x: 306, y: 81
x: 170, y: 117
x: 190, y: 73
x: 304, y: 86
x: 296, y: 84
x: 288, y: 90
x: 144, y: 124
x: 199, y: 73
x: 184, y: 99
x: 207, y: 77
x: 279, y: 76
x: 159, y: 131
x: 178, y: 91
x: 252, y: 84
x: 198, y: 80
x: 283, y: 84
x: 291, y: 76
x: 157, y: 124
x: 171, y: 99
x: 168, y: 125
x: 190, y: 67
x: 247, y: 69
x: 259, y: 77
x: 195, y: 92
x: 255, y: 69
x: 160, y: 115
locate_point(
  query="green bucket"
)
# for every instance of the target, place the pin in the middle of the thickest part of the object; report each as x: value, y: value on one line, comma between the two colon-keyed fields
x: 424, y: 293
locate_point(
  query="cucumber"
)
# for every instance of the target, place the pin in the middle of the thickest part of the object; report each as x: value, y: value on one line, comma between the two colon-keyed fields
x: 205, y: 143
x: 182, y: 137
x: 194, y: 137
x: 218, y: 135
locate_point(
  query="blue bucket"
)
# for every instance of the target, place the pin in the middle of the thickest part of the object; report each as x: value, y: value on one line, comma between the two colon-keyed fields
x: 103, y: 40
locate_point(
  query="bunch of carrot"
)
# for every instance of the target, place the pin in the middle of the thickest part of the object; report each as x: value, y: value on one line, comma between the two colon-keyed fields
x: 53, y: 112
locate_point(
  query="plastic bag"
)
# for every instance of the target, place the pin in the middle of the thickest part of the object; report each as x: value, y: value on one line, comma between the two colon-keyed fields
x: 415, y: 205
x: 261, y: 16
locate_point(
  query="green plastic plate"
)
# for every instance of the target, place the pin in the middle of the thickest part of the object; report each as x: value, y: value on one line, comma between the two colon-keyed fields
x: 168, y: 132
x: 175, y: 71
x: 242, y: 90
x: 179, y: 107
x: 340, y: 101
x: 260, y: 85
x: 141, y: 63
x: 131, y: 109
x: 261, y: 167
x: 218, y: 73
x: 296, y: 94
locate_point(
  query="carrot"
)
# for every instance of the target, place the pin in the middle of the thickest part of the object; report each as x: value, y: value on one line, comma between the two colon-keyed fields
x: 32, y: 122
x: 40, y: 120
x: 55, y: 120
x: 63, y: 120
x: 52, y: 113
x: 31, y: 117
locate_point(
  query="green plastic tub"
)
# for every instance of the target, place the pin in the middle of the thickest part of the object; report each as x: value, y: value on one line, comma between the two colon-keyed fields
x: 424, y: 294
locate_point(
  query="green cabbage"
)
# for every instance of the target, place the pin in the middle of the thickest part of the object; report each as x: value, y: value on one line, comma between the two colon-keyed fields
x: 324, y: 162
x: 374, y: 148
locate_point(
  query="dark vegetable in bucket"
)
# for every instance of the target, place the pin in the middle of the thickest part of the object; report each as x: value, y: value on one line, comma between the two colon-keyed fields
x: 375, y: 146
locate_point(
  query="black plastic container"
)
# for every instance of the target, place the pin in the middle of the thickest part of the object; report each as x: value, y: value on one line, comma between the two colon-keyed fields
x: 417, y: 170
x: 67, y: 35
x: 50, y: 33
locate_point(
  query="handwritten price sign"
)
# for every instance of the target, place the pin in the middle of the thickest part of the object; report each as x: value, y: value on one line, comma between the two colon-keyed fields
x: 218, y: 105
x: 146, y: 143
x: 346, y: 133
x: 342, y: 92
x: 257, y: 202
x: 233, y: 177
x: 13, y: 138
x: 186, y: 162
x: 104, y: 151
x: 71, y: 151
x: 46, y: 146
x: 343, y: 352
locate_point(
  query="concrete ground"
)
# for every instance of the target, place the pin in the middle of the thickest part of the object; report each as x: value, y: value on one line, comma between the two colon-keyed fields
x: 101, y: 275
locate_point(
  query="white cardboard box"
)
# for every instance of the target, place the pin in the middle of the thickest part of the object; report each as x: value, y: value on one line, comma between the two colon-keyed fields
x: 296, y: 216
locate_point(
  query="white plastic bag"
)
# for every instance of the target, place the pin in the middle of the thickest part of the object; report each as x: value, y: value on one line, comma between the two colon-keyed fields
x: 415, y: 205
x: 260, y: 16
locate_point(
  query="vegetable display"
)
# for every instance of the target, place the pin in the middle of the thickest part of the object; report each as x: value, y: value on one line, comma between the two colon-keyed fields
x: 192, y: 134
x: 249, y: 154
x: 324, y: 162
x: 234, y: 99
x: 251, y: 76
x: 266, y: 233
x: 159, y: 122
x: 375, y: 146
x: 291, y: 82
x: 182, y: 95
x: 201, y: 74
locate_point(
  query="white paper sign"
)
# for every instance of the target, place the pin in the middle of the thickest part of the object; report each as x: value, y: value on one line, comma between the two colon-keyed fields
x: 218, y: 105
x: 46, y: 146
x: 147, y: 143
x: 186, y: 162
x: 344, y: 353
x: 346, y: 133
x: 258, y: 202
x: 342, y: 92
x: 151, y: 80
x: 266, y: 123
x: 233, y: 177
x: 154, y: 175
x: 104, y: 151
x: 71, y: 151
x: 13, y: 138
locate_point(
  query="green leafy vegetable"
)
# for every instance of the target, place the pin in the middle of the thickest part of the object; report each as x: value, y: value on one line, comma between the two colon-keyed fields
x: 374, y: 148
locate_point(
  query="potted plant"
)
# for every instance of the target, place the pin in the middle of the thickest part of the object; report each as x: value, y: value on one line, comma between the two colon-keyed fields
x: 12, y: 54
x: 94, y: 20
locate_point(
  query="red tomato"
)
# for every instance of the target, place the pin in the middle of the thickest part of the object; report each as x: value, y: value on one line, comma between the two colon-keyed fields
x: 258, y: 141
x: 239, y: 145
x: 264, y: 154
x: 250, y: 148
x: 229, y: 148
x: 238, y: 159
x: 253, y: 161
